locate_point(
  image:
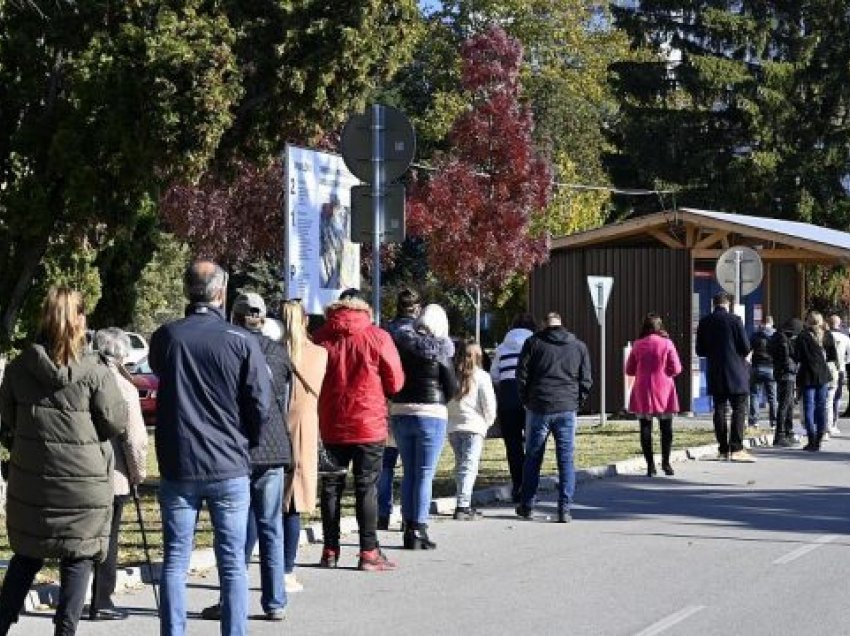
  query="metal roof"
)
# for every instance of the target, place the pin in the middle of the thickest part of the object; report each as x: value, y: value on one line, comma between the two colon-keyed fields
x: 806, y: 231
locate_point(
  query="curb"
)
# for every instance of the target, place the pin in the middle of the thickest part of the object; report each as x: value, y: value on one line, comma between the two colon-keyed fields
x: 44, y: 597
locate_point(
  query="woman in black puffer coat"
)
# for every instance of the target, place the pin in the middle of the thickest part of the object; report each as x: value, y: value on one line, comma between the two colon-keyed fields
x: 419, y: 416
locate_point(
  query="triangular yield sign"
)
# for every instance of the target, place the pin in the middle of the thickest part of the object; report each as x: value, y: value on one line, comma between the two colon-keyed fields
x: 600, y: 290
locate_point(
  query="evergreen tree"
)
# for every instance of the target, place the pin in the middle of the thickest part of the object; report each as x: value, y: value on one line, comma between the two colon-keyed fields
x: 743, y: 106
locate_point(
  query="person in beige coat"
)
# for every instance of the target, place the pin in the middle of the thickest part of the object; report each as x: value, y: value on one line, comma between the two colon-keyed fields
x: 309, y: 364
x: 130, y: 451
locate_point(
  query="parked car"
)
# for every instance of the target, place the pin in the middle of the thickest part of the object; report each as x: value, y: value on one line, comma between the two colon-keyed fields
x: 147, y: 384
x: 138, y: 348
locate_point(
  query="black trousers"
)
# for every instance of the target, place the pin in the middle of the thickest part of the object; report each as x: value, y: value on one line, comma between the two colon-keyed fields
x: 366, y: 461
x: 103, y: 582
x: 730, y: 439
x: 785, y: 413
x: 74, y: 581
x: 512, y: 424
x: 666, y: 425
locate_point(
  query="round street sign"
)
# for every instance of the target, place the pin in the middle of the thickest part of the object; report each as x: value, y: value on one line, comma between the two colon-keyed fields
x: 751, y: 270
x: 399, y: 144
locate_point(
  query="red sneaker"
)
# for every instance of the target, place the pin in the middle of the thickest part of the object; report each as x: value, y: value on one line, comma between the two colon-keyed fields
x: 375, y: 561
x: 330, y: 556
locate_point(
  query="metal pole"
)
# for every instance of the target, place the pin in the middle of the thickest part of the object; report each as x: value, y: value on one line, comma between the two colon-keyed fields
x: 478, y: 314
x: 134, y: 491
x: 737, y: 278
x: 377, y: 204
x: 600, y: 304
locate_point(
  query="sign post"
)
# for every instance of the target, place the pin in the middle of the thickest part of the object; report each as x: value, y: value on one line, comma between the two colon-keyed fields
x: 600, y: 291
x: 739, y: 271
x: 378, y: 147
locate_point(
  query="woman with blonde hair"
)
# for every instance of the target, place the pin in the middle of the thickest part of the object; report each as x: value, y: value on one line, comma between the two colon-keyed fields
x: 419, y: 416
x: 814, y: 349
x: 309, y: 363
x: 59, y: 407
x: 471, y: 413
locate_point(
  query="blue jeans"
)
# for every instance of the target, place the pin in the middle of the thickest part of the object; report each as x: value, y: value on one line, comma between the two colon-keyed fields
x: 537, y: 429
x: 291, y: 536
x: 467, y: 449
x: 267, y: 517
x: 814, y: 411
x: 420, y: 441
x: 762, y: 377
x: 228, y: 501
x: 385, y: 482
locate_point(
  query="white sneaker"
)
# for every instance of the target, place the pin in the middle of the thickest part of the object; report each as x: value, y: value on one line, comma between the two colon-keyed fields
x: 292, y: 584
x: 825, y: 437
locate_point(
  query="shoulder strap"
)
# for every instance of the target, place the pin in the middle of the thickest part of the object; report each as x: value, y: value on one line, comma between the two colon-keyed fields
x: 304, y: 382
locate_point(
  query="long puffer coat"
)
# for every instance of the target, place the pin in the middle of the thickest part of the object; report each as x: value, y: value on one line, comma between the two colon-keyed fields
x: 57, y: 423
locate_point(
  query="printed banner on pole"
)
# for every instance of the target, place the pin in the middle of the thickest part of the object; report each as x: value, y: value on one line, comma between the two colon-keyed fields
x: 321, y: 261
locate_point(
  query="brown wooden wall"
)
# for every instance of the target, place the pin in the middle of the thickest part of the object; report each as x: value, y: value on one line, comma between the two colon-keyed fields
x: 645, y: 279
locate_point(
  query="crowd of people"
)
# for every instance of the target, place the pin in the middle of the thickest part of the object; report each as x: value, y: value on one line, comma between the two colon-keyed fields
x: 246, y: 424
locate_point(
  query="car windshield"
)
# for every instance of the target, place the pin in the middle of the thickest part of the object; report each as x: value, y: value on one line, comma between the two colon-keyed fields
x: 142, y: 366
x: 136, y: 342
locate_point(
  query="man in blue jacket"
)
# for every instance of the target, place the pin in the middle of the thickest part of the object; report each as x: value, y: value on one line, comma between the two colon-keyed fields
x: 721, y: 338
x: 214, y: 398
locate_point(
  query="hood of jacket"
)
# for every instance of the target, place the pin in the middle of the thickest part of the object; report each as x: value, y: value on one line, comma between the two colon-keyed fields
x: 37, y: 361
x: 425, y: 345
x: 556, y: 335
x: 347, y: 317
x: 516, y: 337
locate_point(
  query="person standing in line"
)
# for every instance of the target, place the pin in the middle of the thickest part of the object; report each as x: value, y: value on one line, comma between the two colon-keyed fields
x: 814, y: 350
x: 471, y: 413
x: 782, y: 350
x: 59, y: 409
x: 269, y: 460
x: 407, y: 310
x: 842, y: 350
x: 554, y: 378
x: 654, y: 362
x: 721, y: 338
x: 761, y: 372
x: 130, y: 451
x: 363, y: 371
x: 309, y: 363
x: 420, y: 415
x: 510, y: 411
x: 213, y: 402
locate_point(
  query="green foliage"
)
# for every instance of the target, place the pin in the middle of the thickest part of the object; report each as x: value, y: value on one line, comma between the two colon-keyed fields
x: 106, y: 104
x: 159, y: 291
x: 742, y: 107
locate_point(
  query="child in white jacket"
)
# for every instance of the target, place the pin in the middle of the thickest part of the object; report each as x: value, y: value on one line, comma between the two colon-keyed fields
x: 471, y: 413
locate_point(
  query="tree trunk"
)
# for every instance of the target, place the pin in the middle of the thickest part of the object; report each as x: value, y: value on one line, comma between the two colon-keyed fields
x: 28, y: 264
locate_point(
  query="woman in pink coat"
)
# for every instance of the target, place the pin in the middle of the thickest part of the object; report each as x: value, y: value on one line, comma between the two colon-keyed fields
x: 654, y: 363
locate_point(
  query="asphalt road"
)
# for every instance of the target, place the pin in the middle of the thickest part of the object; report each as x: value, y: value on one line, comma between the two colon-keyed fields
x: 720, y: 548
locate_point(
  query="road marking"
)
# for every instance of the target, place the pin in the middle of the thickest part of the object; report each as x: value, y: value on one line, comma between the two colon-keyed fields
x: 805, y: 549
x: 674, y: 619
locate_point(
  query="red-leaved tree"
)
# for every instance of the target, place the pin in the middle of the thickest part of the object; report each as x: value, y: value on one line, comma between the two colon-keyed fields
x: 475, y: 211
x: 235, y: 221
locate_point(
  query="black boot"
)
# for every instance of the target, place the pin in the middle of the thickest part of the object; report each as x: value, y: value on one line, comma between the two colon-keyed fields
x: 425, y: 542
x: 383, y: 523
x: 646, y: 446
x: 666, y: 445
x: 410, y: 541
x: 5, y: 625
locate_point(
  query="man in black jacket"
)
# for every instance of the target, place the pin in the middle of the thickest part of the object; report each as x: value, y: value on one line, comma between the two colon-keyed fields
x: 785, y: 371
x: 553, y: 374
x: 761, y: 372
x: 721, y: 338
x: 269, y: 459
x: 214, y: 395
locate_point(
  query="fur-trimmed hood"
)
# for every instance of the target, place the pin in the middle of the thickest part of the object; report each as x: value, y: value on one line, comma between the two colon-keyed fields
x: 345, y: 317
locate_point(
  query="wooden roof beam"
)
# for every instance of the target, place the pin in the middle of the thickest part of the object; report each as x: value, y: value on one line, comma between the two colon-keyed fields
x: 712, y: 239
x: 665, y: 238
x: 775, y: 254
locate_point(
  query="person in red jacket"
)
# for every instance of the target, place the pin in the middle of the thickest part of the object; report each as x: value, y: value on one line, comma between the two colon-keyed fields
x: 363, y: 370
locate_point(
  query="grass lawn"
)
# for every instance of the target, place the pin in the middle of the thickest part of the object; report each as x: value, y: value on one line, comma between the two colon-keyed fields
x: 594, y: 446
